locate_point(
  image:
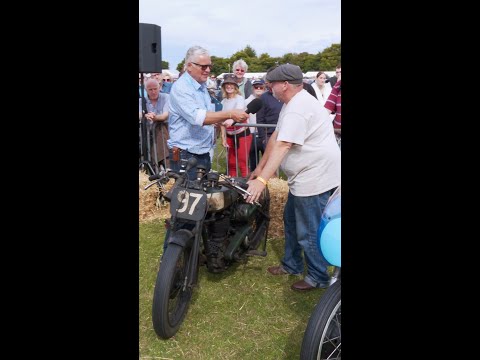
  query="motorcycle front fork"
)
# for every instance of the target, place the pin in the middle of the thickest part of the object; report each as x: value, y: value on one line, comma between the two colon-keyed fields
x: 192, y: 270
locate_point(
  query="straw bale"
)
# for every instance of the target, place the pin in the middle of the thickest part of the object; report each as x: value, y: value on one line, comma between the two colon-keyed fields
x: 278, y: 189
x: 150, y: 208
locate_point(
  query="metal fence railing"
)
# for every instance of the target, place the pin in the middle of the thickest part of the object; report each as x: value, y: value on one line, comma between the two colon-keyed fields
x: 153, y: 149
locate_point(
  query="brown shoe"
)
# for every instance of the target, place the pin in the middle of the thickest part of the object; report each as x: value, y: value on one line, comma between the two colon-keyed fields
x: 302, y: 285
x: 277, y: 270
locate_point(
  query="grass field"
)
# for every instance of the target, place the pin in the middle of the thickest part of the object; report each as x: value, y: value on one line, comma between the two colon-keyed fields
x: 243, y: 313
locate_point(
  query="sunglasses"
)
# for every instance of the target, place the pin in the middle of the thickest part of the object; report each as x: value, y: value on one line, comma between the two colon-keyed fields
x: 240, y: 70
x: 203, y: 67
x: 258, y: 87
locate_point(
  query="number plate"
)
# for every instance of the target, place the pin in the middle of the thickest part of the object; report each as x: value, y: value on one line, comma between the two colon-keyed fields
x: 188, y: 204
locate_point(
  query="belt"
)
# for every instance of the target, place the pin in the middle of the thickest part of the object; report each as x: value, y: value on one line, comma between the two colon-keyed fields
x: 180, y: 150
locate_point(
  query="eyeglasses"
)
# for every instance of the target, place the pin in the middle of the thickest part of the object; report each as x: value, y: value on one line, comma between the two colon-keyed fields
x: 203, y: 67
x: 258, y: 87
x: 167, y: 80
x: 240, y: 70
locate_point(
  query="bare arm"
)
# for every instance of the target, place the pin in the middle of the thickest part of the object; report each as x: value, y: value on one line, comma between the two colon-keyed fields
x: 157, y: 117
x: 214, y: 117
x: 278, y: 150
x: 266, y: 155
x: 224, y: 136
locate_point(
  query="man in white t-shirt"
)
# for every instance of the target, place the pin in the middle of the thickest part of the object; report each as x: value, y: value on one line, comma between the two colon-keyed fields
x: 303, y: 145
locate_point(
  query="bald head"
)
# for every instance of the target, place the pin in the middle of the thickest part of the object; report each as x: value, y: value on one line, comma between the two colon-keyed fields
x: 153, y: 88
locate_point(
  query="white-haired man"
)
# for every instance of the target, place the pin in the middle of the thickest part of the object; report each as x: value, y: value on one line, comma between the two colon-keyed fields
x: 192, y: 114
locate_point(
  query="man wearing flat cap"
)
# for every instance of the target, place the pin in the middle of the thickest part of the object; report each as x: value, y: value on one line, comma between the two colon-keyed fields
x: 303, y: 145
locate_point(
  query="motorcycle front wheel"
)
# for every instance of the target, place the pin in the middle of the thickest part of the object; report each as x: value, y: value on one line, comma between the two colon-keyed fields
x: 323, y: 336
x: 171, y: 295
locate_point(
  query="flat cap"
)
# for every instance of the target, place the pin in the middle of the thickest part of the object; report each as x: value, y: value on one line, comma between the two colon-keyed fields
x: 286, y: 72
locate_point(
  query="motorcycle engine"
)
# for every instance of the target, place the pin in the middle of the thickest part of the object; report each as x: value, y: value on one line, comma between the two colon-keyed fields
x: 217, y: 243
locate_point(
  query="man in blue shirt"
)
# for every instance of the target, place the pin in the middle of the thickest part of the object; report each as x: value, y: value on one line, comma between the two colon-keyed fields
x: 192, y: 114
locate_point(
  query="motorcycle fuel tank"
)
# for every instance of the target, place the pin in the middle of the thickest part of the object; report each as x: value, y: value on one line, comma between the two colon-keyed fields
x: 220, y: 198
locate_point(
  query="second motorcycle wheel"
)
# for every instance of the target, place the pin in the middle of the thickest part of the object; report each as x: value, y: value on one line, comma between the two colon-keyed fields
x: 323, y: 337
x: 171, y: 297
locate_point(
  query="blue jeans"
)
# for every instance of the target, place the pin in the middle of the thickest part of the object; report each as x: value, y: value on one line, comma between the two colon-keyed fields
x: 203, y: 159
x: 301, y: 218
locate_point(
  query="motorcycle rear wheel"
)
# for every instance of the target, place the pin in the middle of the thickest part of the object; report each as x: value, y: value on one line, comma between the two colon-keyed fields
x: 171, y: 296
x: 323, y: 335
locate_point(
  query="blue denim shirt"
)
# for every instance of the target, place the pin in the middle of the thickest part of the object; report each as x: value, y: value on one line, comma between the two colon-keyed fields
x: 188, y: 106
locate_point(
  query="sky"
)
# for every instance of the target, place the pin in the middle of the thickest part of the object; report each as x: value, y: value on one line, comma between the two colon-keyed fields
x: 224, y: 27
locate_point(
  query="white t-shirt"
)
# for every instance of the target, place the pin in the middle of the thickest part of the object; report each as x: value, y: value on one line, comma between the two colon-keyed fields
x: 237, y: 102
x: 312, y: 165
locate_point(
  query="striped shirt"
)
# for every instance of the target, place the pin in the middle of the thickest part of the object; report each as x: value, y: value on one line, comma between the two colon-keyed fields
x: 334, y: 104
x: 188, y: 106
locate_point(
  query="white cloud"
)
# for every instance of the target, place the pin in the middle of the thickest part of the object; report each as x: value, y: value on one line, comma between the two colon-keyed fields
x: 270, y: 26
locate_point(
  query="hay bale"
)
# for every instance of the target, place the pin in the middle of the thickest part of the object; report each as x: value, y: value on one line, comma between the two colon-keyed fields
x: 150, y: 208
x: 149, y: 205
x: 278, y: 197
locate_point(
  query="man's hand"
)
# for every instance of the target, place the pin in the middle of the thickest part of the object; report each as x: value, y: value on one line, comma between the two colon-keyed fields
x: 228, y: 122
x: 150, y: 116
x: 239, y: 115
x: 255, y: 188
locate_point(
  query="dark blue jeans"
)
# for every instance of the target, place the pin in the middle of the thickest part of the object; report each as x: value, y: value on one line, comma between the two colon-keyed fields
x: 256, y: 149
x: 203, y: 159
x: 301, y: 217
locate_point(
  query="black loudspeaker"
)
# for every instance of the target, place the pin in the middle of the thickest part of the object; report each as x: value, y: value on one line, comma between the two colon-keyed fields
x: 150, y: 48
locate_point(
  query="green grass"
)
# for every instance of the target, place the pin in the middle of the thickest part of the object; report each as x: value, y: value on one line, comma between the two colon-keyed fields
x: 243, y: 313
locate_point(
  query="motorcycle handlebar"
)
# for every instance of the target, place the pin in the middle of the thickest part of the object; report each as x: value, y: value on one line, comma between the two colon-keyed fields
x: 154, y: 177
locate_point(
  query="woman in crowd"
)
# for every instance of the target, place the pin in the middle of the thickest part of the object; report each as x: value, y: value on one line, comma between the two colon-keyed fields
x: 237, y: 140
x: 322, y: 89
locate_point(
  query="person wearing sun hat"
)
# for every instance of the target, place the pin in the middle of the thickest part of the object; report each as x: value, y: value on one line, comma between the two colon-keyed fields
x: 303, y: 145
x: 237, y: 140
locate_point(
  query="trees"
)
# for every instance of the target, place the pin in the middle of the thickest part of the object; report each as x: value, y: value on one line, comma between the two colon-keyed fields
x: 325, y: 60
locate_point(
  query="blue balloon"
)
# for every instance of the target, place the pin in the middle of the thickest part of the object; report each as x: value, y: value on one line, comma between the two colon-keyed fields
x: 330, y: 242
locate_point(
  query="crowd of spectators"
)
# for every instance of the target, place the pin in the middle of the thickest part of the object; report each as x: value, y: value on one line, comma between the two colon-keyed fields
x: 233, y: 139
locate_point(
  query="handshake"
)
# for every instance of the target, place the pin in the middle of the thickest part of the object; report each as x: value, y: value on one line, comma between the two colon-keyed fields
x: 238, y: 115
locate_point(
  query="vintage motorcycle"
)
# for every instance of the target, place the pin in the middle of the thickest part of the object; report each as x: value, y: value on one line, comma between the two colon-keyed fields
x: 210, y: 223
x: 323, y: 336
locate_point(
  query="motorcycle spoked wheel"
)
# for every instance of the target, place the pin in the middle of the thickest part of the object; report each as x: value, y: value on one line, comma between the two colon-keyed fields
x: 170, y: 298
x: 323, y: 336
